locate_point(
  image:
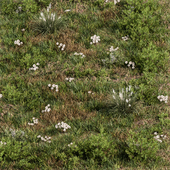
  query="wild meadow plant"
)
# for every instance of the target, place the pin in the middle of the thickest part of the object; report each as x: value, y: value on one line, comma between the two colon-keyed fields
x: 149, y: 58
x: 145, y: 148
x: 48, y: 22
x: 19, y: 7
x: 97, y: 147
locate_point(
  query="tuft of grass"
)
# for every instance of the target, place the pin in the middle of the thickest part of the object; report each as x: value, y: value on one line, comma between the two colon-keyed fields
x: 72, y: 93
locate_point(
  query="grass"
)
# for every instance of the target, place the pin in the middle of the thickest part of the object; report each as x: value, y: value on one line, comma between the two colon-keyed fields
x: 85, y: 103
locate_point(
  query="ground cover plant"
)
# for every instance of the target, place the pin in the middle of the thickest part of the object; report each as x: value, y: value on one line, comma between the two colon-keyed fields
x: 84, y: 84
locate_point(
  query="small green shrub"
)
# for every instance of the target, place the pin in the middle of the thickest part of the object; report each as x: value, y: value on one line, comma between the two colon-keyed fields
x: 152, y: 60
x: 148, y: 88
x: 10, y: 7
x: 17, y: 135
x: 30, y: 99
x: 99, y: 3
x: 163, y: 121
x: 11, y: 93
x: 16, y: 151
x: 98, y: 148
x: 16, y: 147
x: 143, y: 24
x: 29, y: 5
x: 142, y: 147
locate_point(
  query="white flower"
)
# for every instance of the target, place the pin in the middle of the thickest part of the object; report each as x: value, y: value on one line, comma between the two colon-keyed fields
x: 67, y: 10
x: 19, y: 8
x: 121, y: 96
x: 112, y: 57
x: 49, y: 7
x: 111, y: 49
x: 42, y: 16
x: 17, y: 42
x: 53, y: 17
x: 114, y: 97
x: 159, y: 140
x: 125, y: 38
x: 31, y: 124
x: 116, y: 1
x: 35, y: 121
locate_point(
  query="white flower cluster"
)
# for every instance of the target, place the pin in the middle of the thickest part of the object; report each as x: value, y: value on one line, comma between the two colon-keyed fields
x: 112, y: 50
x: 157, y: 137
x: 53, y: 86
x: 1, y: 143
x: 44, y: 139
x: 95, y: 39
x: 63, y: 125
x: 34, y: 67
x: 90, y: 92
x: 115, y: 1
x: 133, y: 64
x: 56, y: 86
x: 125, y: 38
x: 70, y: 79
x: 111, y: 54
x: 34, y: 120
x: 46, y: 109
x: 18, y: 42
x: 61, y: 45
x: 71, y: 144
x: 163, y: 98
x: 80, y: 54
x: 19, y: 9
